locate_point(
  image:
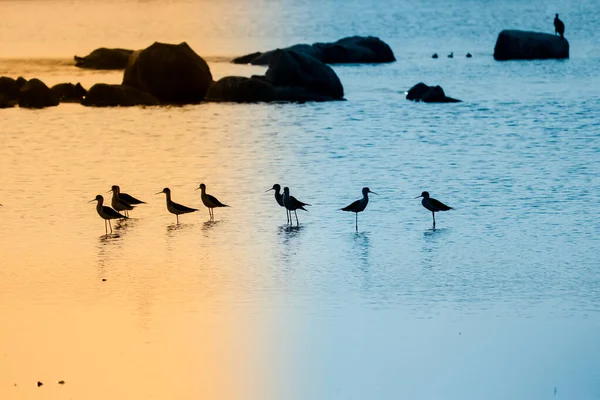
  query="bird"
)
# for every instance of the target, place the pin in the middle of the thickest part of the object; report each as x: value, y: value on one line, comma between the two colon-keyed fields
x: 173, y: 207
x: 292, y: 204
x: 451, y: 55
x: 359, y: 205
x: 559, y: 27
x: 106, y: 213
x: 125, y: 197
x: 435, y: 55
x: 433, y: 205
x: 279, y: 198
x: 468, y: 55
x: 118, y: 203
x: 209, y: 201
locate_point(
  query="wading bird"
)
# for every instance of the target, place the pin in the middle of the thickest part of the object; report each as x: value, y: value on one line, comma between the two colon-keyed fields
x: 432, y: 205
x: 209, y: 201
x: 118, y: 203
x: 292, y: 204
x: 173, y: 207
x: 359, y: 205
x: 106, y: 213
x: 279, y: 199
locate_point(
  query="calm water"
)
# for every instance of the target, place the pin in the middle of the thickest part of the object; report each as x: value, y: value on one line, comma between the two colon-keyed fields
x: 501, y: 301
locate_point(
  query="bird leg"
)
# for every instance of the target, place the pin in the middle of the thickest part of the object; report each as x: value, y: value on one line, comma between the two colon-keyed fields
x: 109, y: 225
x: 105, y: 228
x: 356, y: 221
x: 177, y: 216
x: 433, y: 213
x: 297, y: 223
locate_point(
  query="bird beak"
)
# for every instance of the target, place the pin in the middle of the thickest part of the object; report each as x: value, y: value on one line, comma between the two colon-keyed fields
x: 91, y: 201
x: 269, y: 190
x: 158, y: 192
x: 370, y: 191
x: 198, y: 188
x: 109, y: 191
x: 418, y: 196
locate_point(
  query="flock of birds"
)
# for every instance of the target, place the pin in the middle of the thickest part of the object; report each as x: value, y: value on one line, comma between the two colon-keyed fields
x: 122, y: 203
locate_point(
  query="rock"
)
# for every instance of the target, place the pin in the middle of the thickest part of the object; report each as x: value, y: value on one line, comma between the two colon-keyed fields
x: 104, y: 58
x: 349, y: 50
x: 69, y: 93
x: 288, y: 68
x: 104, y: 95
x: 35, y: 94
x: 39, y: 384
x: 429, y: 94
x: 20, y: 82
x: 9, y: 92
x: 524, y: 45
x: 240, y: 89
x: 173, y: 73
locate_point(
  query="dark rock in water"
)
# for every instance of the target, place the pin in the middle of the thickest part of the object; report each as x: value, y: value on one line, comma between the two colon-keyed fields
x: 39, y: 384
x: 524, y: 45
x: 354, y: 49
x: 104, y: 58
x: 173, y: 73
x: 104, y: 95
x: 429, y: 94
x: 20, y: 82
x: 61, y: 382
x: 468, y: 55
x: 288, y: 68
x: 435, y: 55
x: 35, y: 94
x: 9, y: 92
x: 69, y: 93
x: 240, y: 89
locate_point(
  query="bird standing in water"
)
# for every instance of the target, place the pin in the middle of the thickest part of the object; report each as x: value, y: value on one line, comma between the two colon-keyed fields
x: 173, y: 207
x: 359, y: 205
x: 209, y: 201
x: 292, y: 204
x: 106, y: 213
x: 559, y: 27
x: 118, y: 203
x: 279, y: 199
x: 432, y: 205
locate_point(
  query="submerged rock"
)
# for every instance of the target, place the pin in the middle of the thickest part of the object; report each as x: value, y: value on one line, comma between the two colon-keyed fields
x: 35, y: 94
x: 104, y: 95
x: 354, y: 49
x: 241, y: 89
x: 524, y: 45
x: 69, y: 93
x: 104, y: 58
x: 429, y: 94
x: 173, y: 73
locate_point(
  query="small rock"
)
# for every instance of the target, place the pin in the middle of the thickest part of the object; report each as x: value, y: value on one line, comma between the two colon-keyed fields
x: 469, y: 55
x: 103, y: 279
x: 435, y: 55
x: 61, y: 382
x: 39, y: 384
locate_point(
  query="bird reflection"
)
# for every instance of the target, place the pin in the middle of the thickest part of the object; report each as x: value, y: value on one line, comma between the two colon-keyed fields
x: 210, y: 224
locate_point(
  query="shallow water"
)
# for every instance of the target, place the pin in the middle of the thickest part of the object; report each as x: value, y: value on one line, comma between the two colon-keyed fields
x: 501, y: 301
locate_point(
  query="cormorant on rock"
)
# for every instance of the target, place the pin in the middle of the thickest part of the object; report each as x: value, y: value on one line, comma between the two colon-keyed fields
x: 451, y: 55
x: 434, y: 55
x: 559, y: 27
x: 469, y: 55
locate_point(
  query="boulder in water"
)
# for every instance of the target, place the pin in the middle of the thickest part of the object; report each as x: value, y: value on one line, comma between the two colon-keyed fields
x: 349, y: 50
x: 523, y: 45
x: 291, y: 69
x: 241, y: 89
x: 173, y: 73
x: 69, y: 93
x: 35, y: 94
x: 429, y: 94
x: 9, y: 92
x: 104, y: 58
x: 104, y: 95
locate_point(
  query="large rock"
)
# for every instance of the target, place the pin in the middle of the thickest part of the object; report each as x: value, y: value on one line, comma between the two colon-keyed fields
x: 524, y: 45
x: 354, y: 49
x: 429, y: 94
x: 69, y: 93
x: 104, y: 95
x: 240, y: 89
x: 9, y: 92
x: 291, y: 69
x: 104, y: 58
x: 173, y: 73
x: 35, y: 94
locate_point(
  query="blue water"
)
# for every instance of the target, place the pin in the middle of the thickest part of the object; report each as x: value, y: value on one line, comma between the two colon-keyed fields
x: 501, y: 301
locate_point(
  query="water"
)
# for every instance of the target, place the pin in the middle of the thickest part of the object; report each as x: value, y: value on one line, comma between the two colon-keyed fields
x: 501, y: 301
